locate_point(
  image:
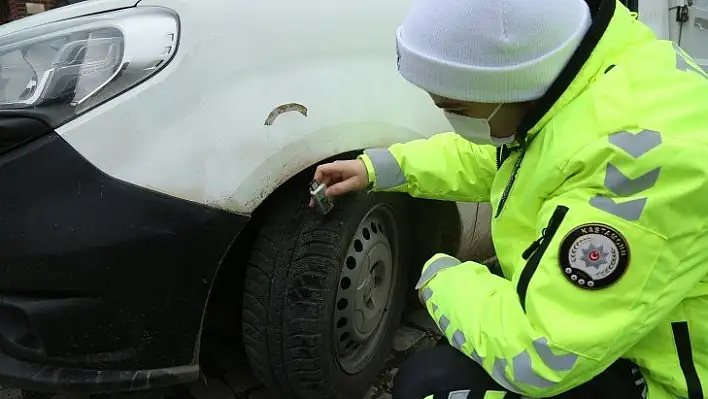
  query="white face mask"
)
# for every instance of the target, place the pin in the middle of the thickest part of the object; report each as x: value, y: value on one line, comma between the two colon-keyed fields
x: 477, y: 130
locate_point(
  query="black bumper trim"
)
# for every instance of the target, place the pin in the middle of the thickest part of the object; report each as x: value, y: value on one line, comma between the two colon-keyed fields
x: 37, y: 377
x: 103, y: 283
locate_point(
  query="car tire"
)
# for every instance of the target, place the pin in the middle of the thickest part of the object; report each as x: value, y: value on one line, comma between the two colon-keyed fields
x: 323, y: 295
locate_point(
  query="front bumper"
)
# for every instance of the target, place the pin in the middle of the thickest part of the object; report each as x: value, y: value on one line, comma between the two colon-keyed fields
x: 33, y: 376
x: 103, y: 284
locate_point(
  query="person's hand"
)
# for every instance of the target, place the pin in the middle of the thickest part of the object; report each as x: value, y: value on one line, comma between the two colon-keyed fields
x: 342, y: 177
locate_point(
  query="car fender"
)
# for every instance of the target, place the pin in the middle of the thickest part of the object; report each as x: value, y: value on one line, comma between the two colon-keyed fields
x: 200, y: 128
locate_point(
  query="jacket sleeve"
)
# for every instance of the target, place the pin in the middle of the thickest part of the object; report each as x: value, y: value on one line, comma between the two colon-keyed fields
x: 622, y: 246
x: 445, y: 166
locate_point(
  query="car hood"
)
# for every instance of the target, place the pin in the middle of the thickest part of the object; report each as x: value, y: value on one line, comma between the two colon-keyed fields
x: 66, y: 12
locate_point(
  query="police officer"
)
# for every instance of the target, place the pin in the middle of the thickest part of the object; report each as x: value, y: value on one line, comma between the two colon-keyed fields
x: 590, y: 138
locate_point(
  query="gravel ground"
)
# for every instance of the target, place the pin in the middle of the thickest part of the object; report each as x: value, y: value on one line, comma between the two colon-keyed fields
x: 418, y: 332
x: 9, y: 394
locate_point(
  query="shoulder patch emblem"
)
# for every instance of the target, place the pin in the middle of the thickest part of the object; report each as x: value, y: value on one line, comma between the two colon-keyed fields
x: 593, y: 256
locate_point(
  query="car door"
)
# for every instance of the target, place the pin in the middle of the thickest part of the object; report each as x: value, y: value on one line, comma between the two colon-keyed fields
x: 693, y: 36
x: 633, y: 5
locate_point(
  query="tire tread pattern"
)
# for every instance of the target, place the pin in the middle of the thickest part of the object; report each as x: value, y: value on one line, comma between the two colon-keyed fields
x: 287, y: 292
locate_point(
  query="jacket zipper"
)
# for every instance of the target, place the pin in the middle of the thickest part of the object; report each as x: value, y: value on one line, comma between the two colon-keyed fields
x: 682, y: 339
x: 509, y: 184
x: 499, y: 156
x: 536, y: 250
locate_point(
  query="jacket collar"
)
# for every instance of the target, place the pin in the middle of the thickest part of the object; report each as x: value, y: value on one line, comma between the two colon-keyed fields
x: 608, y: 34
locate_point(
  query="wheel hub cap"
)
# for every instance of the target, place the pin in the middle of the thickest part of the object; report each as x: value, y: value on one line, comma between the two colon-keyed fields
x: 372, y: 293
x: 365, y: 286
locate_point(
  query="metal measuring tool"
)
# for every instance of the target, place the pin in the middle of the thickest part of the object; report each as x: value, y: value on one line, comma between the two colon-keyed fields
x: 323, y: 203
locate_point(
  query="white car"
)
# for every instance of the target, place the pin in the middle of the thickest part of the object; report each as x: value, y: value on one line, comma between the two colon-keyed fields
x: 155, y: 158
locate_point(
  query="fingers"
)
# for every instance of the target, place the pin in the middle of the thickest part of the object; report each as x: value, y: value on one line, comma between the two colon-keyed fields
x: 342, y: 187
x: 319, y: 174
x: 327, y: 172
x: 342, y: 177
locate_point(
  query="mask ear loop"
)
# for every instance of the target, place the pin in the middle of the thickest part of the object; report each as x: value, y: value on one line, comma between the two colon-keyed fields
x: 498, y: 107
x: 520, y: 139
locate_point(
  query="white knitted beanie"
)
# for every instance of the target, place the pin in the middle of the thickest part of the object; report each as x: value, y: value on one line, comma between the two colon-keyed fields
x: 491, y: 51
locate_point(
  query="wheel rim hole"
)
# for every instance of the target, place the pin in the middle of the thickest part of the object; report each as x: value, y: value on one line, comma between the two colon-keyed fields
x: 342, y: 303
x: 344, y: 337
x: 351, y: 263
x: 346, y: 283
x: 358, y: 246
x: 381, y: 229
x: 378, y: 280
x: 342, y: 322
x: 373, y: 228
x: 366, y: 233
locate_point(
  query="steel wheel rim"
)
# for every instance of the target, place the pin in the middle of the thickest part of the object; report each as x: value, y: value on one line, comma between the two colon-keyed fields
x: 364, y: 293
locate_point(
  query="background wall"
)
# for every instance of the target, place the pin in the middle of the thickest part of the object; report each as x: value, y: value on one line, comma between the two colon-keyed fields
x: 11, y: 10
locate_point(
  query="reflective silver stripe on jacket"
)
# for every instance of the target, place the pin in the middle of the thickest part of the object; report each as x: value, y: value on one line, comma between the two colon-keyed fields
x: 388, y: 172
x: 437, y: 265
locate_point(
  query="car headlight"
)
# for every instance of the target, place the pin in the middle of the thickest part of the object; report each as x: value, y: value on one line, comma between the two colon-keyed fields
x: 61, y: 69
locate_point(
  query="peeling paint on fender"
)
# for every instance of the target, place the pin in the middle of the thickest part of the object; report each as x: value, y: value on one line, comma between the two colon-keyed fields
x: 283, y: 109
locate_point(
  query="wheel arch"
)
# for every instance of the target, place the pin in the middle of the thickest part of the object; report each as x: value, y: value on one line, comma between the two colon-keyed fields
x: 440, y: 217
x: 301, y: 154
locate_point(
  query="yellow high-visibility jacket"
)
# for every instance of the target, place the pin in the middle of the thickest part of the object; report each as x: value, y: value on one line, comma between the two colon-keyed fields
x: 600, y: 216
